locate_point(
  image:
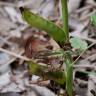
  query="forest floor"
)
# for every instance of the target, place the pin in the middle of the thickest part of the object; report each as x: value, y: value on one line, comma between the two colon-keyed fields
x: 14, y: 31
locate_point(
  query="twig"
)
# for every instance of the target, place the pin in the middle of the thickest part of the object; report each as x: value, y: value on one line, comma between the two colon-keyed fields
x: 25, y: 3
x: 94, y: 55
x: 20, y: 57
x: 4, y: 40
x: 87, y: 16
x: 85, y: 38
x: 92, y: 4
x: 84, y: 66
x: 83, y: 52
x: 16, y: 5
x: 14, y: 54
x: 83, y: 9
x: 7, y: 4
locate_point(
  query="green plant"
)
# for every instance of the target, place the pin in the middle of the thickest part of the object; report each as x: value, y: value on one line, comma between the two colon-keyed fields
x: 61, y: 36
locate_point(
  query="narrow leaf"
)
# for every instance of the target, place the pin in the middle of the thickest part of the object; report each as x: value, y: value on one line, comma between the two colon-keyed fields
x: 36, y: 21
x: 69, y: 71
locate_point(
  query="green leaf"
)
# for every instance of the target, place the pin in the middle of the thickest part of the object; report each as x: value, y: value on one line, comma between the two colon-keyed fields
x: 77, y: 43
x: 42, y: 71
x: 36, y: 21
x: 36, y: 69
x: 93, y: 19
x: 57, y: 76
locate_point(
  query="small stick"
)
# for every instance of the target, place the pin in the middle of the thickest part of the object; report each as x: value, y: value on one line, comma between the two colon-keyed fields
x: 19, y: 56
x: 85, y: 38
x: 87, y: 16
x: 14, y: 54
x: 2, y: 3
x: 84, y: 66
x: 83, y: 52
x: 83, y: 9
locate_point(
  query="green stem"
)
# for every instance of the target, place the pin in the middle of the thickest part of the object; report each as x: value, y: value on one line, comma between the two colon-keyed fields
x: 65, y: 18
x: 69, y: 75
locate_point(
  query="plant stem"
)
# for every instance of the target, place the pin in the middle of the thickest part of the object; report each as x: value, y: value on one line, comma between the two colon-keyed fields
x: 65, y: 18
x: 69, y: 74
x: 68, y: 60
